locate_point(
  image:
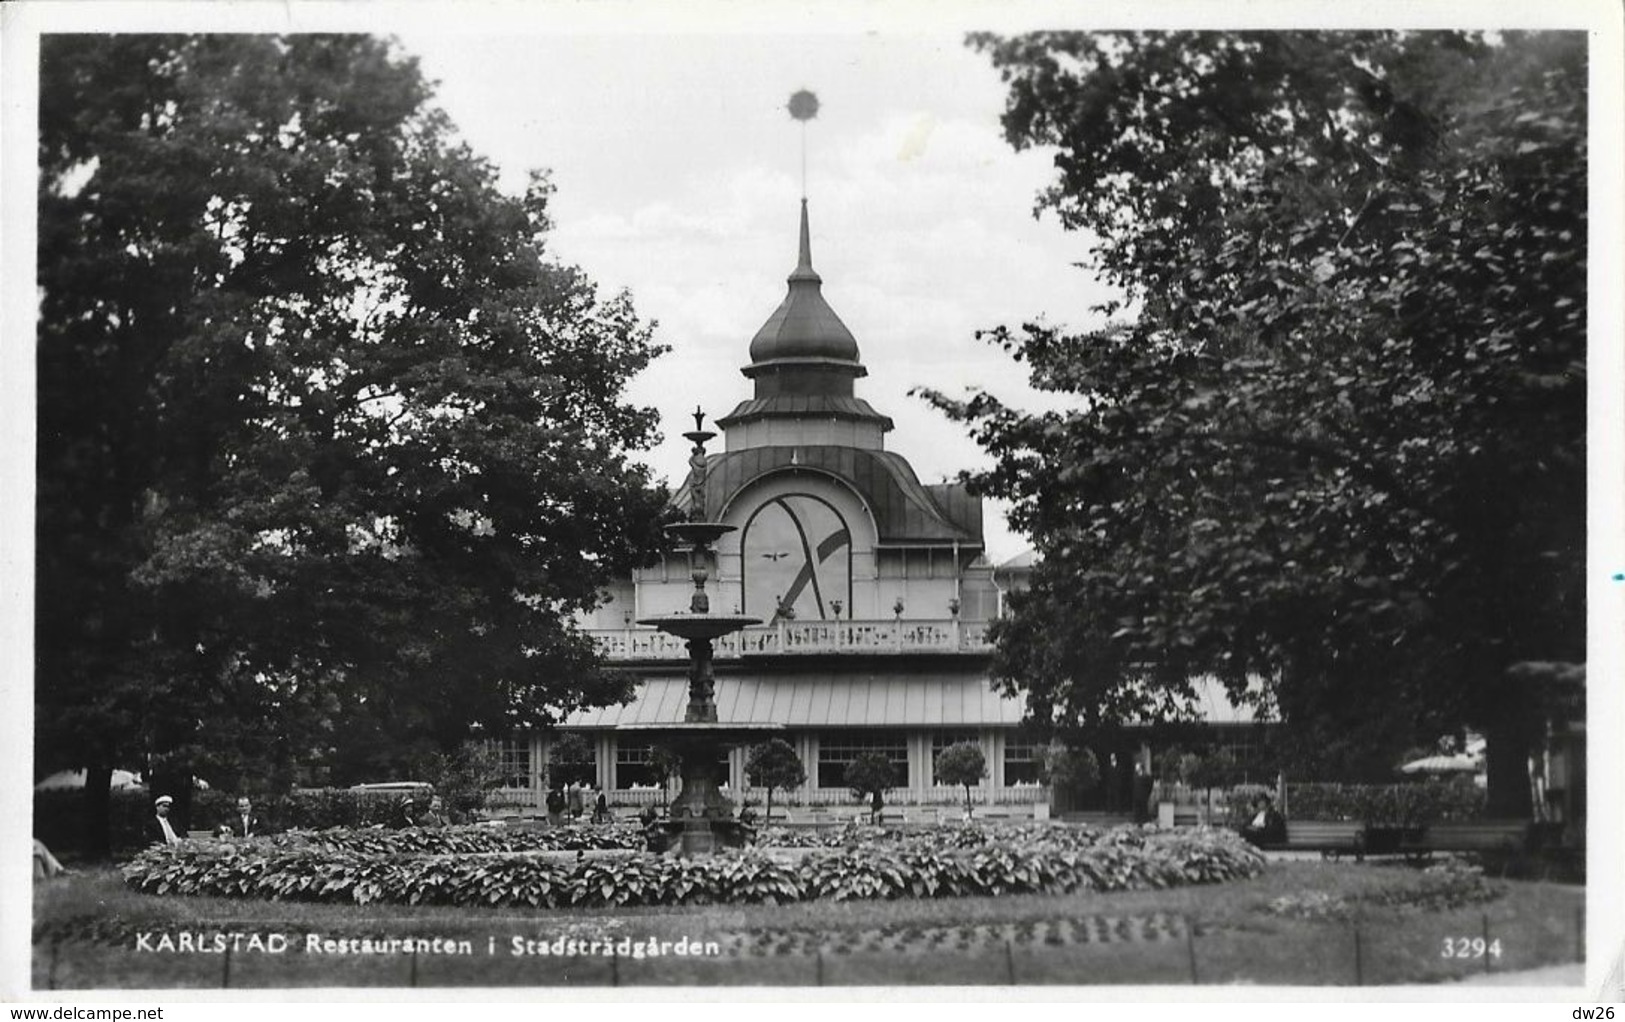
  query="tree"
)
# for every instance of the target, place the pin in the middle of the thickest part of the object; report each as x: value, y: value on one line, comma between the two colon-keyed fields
x: 463, y: 778
x: 869, y: 776
x: 1062, y: 764
x: 666, y: 764
x: 325, y: 437
x: 1334, y: 452
x: 962, y: 763
x: 774, y: 764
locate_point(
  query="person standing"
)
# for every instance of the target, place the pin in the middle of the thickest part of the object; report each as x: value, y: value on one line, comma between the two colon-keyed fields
x: 577, y: 803
x: 162, y: 831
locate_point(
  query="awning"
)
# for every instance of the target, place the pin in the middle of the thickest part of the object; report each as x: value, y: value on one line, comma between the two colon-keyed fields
x: 847, y: 699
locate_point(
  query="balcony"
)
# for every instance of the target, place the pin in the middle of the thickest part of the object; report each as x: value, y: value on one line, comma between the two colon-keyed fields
x: 797, y: 638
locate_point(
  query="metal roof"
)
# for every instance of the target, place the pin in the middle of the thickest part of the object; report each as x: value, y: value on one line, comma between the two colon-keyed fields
x: 846, y: 699
x: 904, y: 510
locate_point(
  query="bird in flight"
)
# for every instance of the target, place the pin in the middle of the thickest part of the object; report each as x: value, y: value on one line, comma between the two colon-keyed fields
x: 775, y: 555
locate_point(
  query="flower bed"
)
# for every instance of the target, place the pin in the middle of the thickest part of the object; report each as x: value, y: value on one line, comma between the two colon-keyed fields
x: 462, y: 840
x: 422, y: 868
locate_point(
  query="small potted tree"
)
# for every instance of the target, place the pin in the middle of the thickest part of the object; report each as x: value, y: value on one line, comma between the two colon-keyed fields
x: 963, y: 764
x: 774, y: 764
x: 869, y: 776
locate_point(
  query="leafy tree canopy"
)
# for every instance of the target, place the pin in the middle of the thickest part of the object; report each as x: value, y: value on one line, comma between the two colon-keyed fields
x: 325, y: 435
x: 775, y: 764
x: 869, y: 774
x: 1332, y: 451
x: 962, y: 763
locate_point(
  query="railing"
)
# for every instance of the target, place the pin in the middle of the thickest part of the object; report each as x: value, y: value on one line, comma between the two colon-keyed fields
x: 949, y: 799
x: 804, y: 637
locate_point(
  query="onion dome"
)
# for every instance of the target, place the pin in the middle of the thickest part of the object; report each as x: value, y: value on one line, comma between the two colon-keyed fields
x: 804, y: 329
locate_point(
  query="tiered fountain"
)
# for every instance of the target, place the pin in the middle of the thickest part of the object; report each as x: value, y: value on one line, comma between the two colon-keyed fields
x: 700, y: 820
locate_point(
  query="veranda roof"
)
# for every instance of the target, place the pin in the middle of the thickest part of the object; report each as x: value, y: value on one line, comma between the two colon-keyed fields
x: 847, y: 699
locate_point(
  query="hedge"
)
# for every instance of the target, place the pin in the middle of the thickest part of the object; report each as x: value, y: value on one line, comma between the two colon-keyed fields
x: 1386, y: 804
x: 1050, y: 861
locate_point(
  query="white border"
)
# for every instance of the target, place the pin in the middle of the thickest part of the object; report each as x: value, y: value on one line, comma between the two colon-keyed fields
x: 22, y: 21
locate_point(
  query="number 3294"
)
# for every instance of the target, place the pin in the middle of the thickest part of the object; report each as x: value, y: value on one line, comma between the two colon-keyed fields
x: 1470, y: 947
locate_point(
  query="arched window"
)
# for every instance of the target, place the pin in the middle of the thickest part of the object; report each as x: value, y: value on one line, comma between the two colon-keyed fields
x: 796, y: 556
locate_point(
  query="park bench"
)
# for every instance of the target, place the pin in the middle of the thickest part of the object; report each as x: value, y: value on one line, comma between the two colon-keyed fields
x: 1471, y: 836
x: 1330, y: 838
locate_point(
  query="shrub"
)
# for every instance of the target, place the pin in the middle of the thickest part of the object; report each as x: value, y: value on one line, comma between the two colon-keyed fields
x: 1386, y: 804
x: 464, y: 779
x: 464, y: 840
x: 1061, y: 764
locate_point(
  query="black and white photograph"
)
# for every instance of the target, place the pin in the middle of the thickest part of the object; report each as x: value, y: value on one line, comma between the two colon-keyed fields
x: 623, y: 501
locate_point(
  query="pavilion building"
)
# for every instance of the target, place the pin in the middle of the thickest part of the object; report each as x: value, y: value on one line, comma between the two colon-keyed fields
x: 873, y: 588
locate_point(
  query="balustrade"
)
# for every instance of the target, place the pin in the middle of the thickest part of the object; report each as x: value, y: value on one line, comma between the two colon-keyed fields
x: 804, y: 637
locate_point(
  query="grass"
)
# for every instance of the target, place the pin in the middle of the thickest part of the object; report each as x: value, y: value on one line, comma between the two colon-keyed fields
x: 86, y: 927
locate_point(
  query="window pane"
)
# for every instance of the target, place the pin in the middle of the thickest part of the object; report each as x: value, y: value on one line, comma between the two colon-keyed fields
x: 839, y: 748
x: 1020, y: 762
x: 513, y: 761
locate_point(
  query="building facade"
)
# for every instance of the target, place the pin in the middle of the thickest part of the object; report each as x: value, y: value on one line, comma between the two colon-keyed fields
x: 873, y: 588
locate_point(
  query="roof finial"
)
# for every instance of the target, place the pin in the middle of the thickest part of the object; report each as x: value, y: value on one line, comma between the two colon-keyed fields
x: 804, y: 256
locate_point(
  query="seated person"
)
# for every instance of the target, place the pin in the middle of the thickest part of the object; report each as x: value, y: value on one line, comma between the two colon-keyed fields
x: 435, y: 815
x: 45, y: 864
x: 1268, y: 826
x: 406, y: 813
x: 647, y: 817
x: 242, y: 822
x: 161, y: 830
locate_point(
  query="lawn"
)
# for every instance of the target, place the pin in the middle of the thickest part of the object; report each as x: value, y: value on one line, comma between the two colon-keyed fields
x: 1298, y: 923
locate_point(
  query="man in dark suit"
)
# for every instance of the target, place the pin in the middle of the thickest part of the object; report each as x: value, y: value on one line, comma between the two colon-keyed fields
x: 244, y: 823
x: 1268, y: 826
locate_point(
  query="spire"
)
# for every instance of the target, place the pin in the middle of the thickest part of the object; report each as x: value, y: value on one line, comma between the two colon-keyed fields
x: 804, y: 268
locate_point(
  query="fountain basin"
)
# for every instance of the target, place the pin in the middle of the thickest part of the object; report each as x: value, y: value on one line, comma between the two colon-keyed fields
x: 700, y: 626
x: 699, y: 534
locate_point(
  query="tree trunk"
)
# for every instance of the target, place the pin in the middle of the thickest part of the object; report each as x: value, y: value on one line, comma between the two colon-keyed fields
x: 767, y: 814
x: 1506, y: 757
x: 98, y: 811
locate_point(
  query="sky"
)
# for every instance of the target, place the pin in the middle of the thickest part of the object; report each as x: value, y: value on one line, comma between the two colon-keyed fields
x: 678, y: 176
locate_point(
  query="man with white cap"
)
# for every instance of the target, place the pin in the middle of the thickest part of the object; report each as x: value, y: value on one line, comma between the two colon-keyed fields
x: 162, y: 832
